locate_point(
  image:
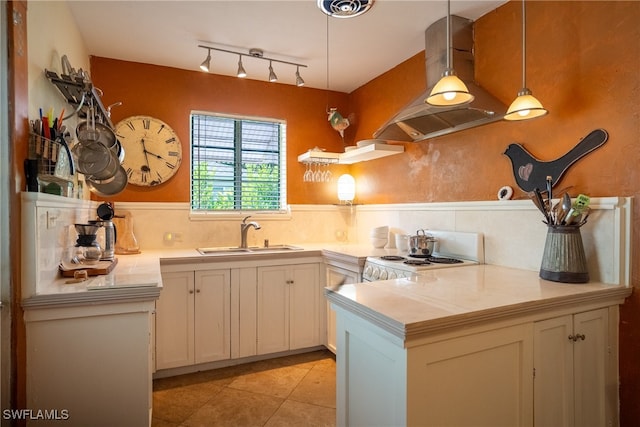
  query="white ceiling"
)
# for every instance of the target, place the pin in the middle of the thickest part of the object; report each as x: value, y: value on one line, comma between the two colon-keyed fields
x: 168, y: 32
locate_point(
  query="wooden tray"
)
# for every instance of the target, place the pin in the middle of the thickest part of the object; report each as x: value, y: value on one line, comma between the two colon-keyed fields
x: 103, y: 267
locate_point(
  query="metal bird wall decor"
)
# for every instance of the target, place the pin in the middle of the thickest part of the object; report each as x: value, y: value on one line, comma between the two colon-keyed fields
x: 531, y: 173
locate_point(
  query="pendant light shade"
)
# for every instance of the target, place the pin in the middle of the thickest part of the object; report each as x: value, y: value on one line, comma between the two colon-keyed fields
x: 241, y: 72
x: 449, y: 90
x: 525, y: 106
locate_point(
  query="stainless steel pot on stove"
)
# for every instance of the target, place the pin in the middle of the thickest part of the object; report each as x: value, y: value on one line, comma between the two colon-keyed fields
x: 422, y: 243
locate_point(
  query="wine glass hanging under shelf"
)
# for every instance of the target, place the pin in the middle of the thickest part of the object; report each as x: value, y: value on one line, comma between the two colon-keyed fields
x: 317, y: 161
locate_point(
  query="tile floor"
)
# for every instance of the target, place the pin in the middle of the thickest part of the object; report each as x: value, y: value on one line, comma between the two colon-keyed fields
x: 298, y: 390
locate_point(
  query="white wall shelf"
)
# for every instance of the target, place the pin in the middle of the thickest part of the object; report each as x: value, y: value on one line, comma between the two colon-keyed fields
x: 359, y: 154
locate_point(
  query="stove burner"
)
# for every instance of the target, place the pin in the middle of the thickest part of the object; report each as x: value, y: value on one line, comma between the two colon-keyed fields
x: 436, y: 260
x: 417, y: 262
x: 392, y: 257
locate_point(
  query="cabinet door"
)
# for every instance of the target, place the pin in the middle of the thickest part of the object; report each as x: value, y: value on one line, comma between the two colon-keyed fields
x: 553, y: 381
x: 305, y: 304
x: 590, y: 367
x: 174, y: 321
x: 212, y: 315
x: 336, y: 275
x: 484, y: 379
x: 273, y: 309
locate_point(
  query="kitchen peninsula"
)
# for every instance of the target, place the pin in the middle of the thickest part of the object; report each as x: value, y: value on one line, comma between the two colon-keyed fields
x: 479, y: 345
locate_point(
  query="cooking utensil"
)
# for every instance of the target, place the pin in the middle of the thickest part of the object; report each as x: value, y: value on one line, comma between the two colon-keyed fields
x: 421, y: 244
x: 539, y: 202
x: 109, y: 187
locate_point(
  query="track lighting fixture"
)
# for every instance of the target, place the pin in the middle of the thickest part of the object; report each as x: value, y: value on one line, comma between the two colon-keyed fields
x: 525, y: 106
x: 206, y: 64
x: 299, y: 81
x: 449, y: 90
x: 241, y: 72
x: 252, y: 53
x: 272, y: 76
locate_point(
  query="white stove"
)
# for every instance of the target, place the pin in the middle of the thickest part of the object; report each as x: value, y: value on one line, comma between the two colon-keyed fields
x: 452, y: 249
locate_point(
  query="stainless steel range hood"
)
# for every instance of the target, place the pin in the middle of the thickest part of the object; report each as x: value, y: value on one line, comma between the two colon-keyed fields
x: 418, y: 120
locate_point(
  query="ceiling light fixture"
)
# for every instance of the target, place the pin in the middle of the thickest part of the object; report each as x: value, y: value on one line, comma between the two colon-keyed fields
x: 299, y: 81
x: 206, y: 64
x: 241, y: 72
x: 449, y: 90
x: 344, y: 8
x: 252, y: 53
x: 525, y: 106
x: 272, y: 76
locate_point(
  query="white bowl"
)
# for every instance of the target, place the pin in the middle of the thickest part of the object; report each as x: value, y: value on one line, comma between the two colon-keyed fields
x: 378, y: 242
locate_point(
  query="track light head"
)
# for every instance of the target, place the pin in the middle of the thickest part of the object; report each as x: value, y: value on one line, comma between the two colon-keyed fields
x: 299, y: 81
x: 241, y: 72
x: 206, y: 64
x: 272, y: 75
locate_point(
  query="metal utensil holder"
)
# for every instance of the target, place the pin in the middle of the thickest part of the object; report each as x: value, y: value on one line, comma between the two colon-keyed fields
x: 564, y: 259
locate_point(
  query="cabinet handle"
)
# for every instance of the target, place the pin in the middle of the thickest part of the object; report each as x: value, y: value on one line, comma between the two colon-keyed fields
x: 197, y: 291
x: 289, y: 282
x: 190, y: 291
x: 577, y: 337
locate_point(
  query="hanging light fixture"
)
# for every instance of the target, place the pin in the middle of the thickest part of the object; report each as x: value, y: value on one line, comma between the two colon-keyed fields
x: 299, y: 81
x: 241, y: 72
x: 207, y: 62
x: 272, y: 75
x: 252, y: 53
x: 525, y: 106
x: 449, y: 90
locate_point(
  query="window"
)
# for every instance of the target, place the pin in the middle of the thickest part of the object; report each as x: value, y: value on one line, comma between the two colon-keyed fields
x: 237, y: 164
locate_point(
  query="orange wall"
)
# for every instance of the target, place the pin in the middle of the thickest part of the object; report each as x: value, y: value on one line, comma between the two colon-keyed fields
x: 171, y: 94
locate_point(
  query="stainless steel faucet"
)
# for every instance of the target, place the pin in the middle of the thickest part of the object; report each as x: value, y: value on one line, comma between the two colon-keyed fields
x: 244, y: 228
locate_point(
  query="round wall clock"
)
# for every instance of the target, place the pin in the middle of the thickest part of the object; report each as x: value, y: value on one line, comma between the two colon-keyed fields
x: 152, y: 150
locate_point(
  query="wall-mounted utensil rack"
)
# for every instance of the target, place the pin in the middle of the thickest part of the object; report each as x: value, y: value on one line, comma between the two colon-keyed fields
x: 79, y: 91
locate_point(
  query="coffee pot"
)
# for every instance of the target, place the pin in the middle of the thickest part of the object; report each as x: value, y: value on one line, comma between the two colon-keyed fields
x: 105, y: 213
x: 87, y: 249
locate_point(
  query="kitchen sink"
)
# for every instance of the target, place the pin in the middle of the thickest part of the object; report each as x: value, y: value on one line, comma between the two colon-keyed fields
x: 249, y: 250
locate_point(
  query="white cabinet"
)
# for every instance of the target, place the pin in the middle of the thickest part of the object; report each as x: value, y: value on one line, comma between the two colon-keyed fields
x: 572, y: 370
x: 336, y: 276
x: 193, y: 319
x: 288, y: 307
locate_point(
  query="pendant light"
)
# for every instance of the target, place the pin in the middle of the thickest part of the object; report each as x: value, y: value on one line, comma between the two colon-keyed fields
x: 525, y: 106
x: 449, y: 90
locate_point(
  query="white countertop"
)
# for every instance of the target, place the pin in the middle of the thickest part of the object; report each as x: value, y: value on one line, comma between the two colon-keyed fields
x: 451, y: 297
x: 134, y: 277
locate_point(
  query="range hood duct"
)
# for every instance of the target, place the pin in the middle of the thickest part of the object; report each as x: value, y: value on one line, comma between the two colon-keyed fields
x: 418, y: 120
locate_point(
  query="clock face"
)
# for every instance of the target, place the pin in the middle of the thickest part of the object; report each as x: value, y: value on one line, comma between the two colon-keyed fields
x: 152, y: 150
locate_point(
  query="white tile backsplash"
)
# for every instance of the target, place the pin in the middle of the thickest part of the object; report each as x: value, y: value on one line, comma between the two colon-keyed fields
x: 514, y: 235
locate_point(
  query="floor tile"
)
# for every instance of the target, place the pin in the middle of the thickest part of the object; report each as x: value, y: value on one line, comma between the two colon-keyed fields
x: 278, y: 382
x: 293, y: 413
x: 177, y: 404
x: 318, y: 387
x: 235, y: 408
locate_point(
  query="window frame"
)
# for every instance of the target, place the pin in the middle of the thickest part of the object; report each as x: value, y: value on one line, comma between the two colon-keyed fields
x: 283, y: 212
